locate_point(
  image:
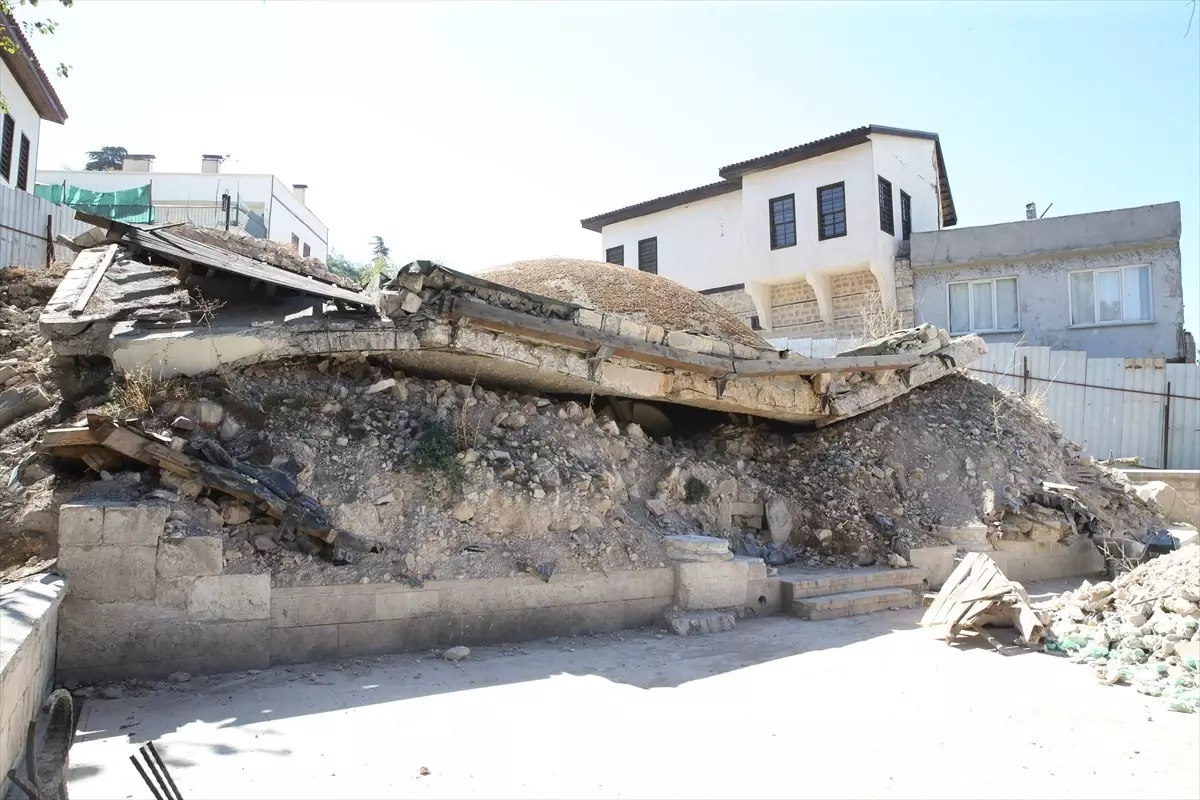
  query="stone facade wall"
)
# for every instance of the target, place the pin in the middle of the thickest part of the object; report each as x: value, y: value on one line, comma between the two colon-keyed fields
x: 145, y: 606
x: 735, y: 301
x: 795, y: 313
x: 28, y: 623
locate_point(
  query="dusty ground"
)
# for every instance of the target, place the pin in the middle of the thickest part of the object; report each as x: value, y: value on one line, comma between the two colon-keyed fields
x: 864, y: 707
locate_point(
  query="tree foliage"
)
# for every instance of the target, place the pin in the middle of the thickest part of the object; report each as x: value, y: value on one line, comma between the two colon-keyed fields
x: 106, y: 159
x: 338, y: 264
x: 9, y: 44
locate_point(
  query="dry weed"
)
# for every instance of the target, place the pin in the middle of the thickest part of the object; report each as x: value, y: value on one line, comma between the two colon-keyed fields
x: 877, y: 319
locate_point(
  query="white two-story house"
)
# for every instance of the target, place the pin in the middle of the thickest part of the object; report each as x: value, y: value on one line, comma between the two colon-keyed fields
x: 30, y: 98
x: 798, y: 241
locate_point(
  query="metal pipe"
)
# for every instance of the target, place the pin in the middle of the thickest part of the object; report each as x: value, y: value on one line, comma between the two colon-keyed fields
x: 163, y: 767
x: 1166, y: 426
x: 145, y: 778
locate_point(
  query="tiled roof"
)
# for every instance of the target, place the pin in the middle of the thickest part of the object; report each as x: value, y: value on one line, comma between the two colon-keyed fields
x: 30, y: 75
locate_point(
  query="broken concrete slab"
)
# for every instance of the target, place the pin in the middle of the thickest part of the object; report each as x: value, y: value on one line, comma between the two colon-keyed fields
x: 691, y: 623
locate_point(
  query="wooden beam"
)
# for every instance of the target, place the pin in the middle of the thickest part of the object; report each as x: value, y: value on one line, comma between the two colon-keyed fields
x: 589, y: 340
x: 770, y: 367
x: 66, y: 437
x: 93, y: 281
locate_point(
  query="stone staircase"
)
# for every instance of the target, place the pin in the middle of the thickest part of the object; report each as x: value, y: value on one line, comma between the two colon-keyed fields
x: 828, y: 594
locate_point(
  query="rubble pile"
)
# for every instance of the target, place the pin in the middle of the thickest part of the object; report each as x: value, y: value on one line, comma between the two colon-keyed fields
x: 1140, y: 629
x: 268, y: 251
x: 641, y: 296
x: 953, y: 454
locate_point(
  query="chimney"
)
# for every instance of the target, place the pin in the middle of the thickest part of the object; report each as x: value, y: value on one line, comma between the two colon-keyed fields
x: 137, y: 162
x: 1031, y: 211
x: 210, y: 164
x: 298, y: 190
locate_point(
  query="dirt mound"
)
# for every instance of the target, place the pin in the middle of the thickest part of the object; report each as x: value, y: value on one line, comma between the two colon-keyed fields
x: 647, y: 298
x: 1140, y: 629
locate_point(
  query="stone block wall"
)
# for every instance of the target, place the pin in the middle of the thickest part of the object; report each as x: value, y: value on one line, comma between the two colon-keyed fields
x: 795, y: 312
x: 28, y: 624
x: 735, y: 301
x: 144, y: 606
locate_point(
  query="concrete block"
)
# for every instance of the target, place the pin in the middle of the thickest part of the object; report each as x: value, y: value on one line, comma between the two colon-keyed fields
x: 747, y: 509
x: 304, y: 644
x: 693, y: 547
x: 172, y: 593
x: 163, y: 646
x: 109, y: 574
x: 230, y: 597
x: 406, y: 605
x: 765, y: 595
x: 322, y: 605
x: 710, y: 584
x: 134, y: 524
x: 80, y: 525
x: 633, y: 329
x: 398, y: 635
x: 934, y: 563
x: 756, y: 568
x: 589, y: 318
x: 190, y: 557
x: 689, y: 623
x: 655, y: 334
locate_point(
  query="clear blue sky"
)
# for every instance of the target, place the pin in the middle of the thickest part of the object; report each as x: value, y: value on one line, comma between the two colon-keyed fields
x: 482, y: 133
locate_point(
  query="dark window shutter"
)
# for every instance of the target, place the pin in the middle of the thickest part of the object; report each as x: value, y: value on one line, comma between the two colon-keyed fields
x: 615, y: 255
x: 648, y: 255
x: 783, y: 221
x: 887, y: 221
x: 831, y: 211
x: 905, y: 216
x: 23, y: 164
x: 6, y: 148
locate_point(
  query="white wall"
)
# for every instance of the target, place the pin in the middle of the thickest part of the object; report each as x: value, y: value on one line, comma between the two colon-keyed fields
x: 289, y: 216
x: 911, y: 165
x: 847, y: 253
x: 699, y: 244
x: 285, y: 214
x: 27, y: 122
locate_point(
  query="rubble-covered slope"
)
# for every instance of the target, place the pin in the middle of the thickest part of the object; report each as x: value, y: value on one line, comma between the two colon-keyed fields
x: 458, y: 481
x: 642, y: 296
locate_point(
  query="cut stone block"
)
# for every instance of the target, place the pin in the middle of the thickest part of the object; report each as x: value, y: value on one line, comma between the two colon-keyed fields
x: 108, y: 574
x: 80, y: 525
x: 230, y: 597
x: 135, y: 524
x: 710, y: 584
x: 190, y: 557
x: 848, y: 604
x: 693, y: 547
x: 688, y: 623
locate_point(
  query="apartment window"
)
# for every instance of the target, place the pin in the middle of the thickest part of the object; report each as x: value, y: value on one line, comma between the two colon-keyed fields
x: 783, y: 222
x: 615, y: 255
x: 23, y: 164
x: 1108, y: 296
x: 648, y: 255
x: 6, y: 147
x: 984, y: 306
x: 307, y: 249
x: 755, y: 325
x: 296, y: 243
x: 887, y: 222
x: 831, y: 211
x: 905, y: 216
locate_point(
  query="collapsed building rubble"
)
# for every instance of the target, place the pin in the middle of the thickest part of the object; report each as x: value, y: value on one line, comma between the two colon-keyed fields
x: 1140, y: 629
x: 446, y: 426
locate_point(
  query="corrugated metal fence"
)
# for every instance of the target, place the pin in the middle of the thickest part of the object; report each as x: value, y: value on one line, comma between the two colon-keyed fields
x: 28, y: 225
x: 1114, y: 407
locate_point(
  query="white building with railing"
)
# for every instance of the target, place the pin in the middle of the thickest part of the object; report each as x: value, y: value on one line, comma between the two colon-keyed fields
x: 262, y: 205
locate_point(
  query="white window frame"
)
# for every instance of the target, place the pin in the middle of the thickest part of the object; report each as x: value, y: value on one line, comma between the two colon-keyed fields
x: 1096, y: 297
x: 971, y: 305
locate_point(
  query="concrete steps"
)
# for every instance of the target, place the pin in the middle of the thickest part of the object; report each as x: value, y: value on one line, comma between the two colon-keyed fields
x: 849, y: 604
x: 828, y: 594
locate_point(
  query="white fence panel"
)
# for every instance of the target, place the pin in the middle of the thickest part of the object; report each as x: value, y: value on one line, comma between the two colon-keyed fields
x: 1142, y: 411
x: 1104, y: 406
x: 1066, y: 396
x: 23, y: 228
x: 1183, y: 443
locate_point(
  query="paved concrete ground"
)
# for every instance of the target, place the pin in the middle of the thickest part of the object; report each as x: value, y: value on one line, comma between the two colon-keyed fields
x: 864, y: 707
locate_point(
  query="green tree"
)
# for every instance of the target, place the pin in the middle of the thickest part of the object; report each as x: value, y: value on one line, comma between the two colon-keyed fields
x: 379, y: 249
x: 106, y: 159
x: 338, y: 264
x: 380, y: 263
x: 8, y: 42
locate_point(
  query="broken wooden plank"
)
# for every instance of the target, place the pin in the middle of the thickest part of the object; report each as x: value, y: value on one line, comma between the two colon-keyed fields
x: 578, y: 337
x: 94, y: 456
x: 66, y: 437
x: 770, y: 367
x: 941, y: 603
x: 89, y: 288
